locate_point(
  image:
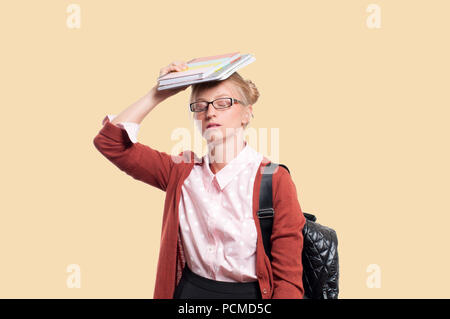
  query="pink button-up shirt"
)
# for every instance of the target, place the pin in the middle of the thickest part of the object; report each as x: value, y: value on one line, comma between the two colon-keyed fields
x: 216, y: 220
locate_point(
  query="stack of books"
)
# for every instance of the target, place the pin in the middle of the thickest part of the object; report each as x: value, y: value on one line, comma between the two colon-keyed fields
x: 210, y: 68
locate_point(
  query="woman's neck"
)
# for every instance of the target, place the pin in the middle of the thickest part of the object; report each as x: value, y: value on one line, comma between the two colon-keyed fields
x: 220, y: 154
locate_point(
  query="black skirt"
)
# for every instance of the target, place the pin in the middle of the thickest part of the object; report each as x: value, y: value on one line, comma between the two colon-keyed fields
x: 193, y: 286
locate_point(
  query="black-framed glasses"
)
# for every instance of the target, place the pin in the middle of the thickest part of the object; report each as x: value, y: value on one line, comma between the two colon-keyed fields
x: 218, y: 104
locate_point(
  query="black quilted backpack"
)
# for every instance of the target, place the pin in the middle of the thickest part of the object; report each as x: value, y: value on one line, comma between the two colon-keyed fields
x: 319, y: 257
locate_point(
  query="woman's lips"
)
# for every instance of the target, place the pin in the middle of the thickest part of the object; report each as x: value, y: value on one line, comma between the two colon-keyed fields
x: 212, y: 126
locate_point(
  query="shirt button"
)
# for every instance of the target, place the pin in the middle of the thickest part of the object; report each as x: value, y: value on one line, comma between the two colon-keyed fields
x: 260, y: 275
x: 264, y: 291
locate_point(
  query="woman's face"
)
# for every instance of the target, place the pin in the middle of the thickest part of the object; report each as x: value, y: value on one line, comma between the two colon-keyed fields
x: 230, y: 120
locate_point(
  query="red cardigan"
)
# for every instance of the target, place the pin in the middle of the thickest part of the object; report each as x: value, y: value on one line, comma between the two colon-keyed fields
x: 281, y: 278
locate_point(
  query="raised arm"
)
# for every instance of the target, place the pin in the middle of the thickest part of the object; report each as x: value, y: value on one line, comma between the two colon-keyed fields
x: 137, y: 111
x: 137, y: 160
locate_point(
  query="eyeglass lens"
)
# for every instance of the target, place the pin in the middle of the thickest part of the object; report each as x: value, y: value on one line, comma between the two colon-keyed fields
x: 219, y: 103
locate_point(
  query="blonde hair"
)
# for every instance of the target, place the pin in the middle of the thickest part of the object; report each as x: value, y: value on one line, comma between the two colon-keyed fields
x: 247, y: 90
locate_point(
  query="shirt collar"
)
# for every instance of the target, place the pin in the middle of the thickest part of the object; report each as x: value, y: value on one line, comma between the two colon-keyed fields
x: 246, y: 156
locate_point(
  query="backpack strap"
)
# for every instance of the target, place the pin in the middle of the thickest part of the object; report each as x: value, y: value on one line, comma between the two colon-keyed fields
x: 266, y: 212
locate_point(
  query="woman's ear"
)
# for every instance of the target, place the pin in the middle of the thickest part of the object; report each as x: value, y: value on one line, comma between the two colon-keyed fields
x: 249, y: 111
x: 247, y: 115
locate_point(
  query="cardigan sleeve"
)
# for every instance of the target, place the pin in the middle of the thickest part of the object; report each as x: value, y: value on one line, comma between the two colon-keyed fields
x: 131, y: 127
x: 140, y: 161
x: 287, y: 238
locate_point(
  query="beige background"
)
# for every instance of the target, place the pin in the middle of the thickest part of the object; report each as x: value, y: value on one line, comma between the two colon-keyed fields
x: 362, y: 115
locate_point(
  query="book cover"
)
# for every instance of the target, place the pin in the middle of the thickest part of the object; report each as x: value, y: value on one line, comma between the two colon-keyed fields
x: 221, y: 74
x: 199, y: 68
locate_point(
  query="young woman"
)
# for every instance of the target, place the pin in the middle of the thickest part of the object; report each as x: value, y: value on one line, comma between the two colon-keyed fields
x: 211, y: 244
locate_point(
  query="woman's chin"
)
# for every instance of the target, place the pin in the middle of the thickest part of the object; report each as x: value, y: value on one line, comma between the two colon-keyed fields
x: 213, y: 139
x: 212, y: 136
